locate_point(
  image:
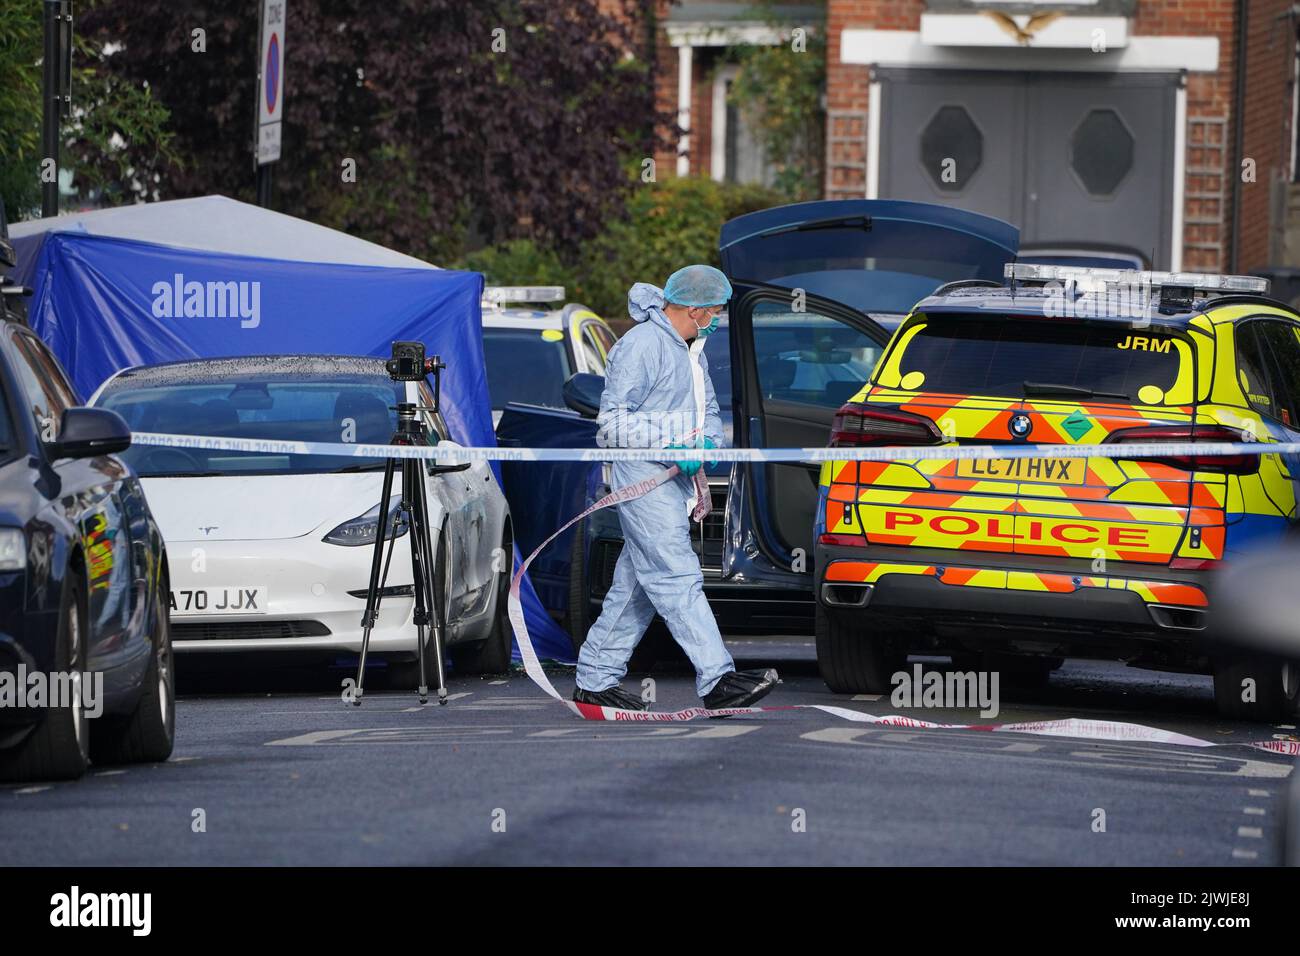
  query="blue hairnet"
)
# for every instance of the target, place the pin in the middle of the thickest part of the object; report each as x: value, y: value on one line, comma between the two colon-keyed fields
x: 697, y: 285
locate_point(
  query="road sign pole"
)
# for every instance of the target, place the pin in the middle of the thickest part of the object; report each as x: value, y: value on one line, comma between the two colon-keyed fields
x: 264, y: 185
x: 52, y: 109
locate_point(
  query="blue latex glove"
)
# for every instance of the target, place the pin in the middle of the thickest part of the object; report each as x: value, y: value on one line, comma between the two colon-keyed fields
x: 687, y: 468
x: 709, y: 443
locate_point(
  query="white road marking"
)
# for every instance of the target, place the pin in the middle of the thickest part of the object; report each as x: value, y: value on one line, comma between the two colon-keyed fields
x: 496, y: 683
x: 1022, y: 748
x: 1254, y: 833
x: 508, y: 735
x: 1253, y: 811
x: 109, y: 773
x: 1259, y: 793
x: 315, y: 737
x: 1110, y: 755
x: 26, y: 790
x: 509, y: 703
x: 1239, y: 854
x: 867, y: 696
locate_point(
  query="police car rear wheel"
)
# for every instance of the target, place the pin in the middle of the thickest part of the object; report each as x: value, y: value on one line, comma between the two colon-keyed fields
x: 1256, y: 688
x: 853, y: 657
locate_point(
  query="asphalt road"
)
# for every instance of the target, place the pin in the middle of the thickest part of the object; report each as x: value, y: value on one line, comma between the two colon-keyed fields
x: 279, y: 771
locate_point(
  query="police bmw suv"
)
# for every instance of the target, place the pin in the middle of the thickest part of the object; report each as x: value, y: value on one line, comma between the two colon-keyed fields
x: 1046, y: 558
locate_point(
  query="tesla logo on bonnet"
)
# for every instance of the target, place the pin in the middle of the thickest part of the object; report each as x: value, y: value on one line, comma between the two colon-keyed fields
x: 209, y: 529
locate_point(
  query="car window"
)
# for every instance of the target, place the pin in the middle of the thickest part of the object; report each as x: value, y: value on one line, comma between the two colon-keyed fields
x: 605, y: 336
x: 591, y: 350
x: 1283, y: 340
x: 46, y: 390
x: 525, y: 365
x: 1252, y: 370
x: 969, y: 355
x: 356, y: 409
x: 809, y: 358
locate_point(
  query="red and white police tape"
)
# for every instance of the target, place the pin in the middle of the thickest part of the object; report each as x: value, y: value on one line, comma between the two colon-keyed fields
x: 1077, y: 728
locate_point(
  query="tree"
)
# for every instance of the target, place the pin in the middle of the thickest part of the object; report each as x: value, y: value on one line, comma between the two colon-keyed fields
x: 464, y: 122
x: 115, y: 136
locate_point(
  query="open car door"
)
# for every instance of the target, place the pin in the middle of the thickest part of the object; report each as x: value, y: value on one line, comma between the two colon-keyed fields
x: 817, y: 289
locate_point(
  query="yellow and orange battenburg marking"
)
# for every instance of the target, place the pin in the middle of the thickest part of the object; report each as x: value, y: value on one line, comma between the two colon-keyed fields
x: 1135, y: 511
x: 1152, y: 592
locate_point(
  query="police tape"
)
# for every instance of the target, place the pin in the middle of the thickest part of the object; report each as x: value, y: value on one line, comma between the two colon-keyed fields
x: 457, y: 454
x: 1097, y: 730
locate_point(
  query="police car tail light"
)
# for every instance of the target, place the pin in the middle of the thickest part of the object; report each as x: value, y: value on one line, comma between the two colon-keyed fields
x: 1182, y: 434
x: 858, y: 425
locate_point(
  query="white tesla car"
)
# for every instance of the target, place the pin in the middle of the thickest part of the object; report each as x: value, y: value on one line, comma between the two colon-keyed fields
x: 272, y: 552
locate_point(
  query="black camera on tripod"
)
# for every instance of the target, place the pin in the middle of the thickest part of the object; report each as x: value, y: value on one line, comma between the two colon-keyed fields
x: 408, y: 363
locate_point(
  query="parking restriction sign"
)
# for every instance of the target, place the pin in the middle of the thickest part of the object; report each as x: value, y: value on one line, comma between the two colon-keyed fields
x: 270, y: 81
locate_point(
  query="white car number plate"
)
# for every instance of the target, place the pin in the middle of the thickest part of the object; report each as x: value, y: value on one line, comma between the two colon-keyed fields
x: 231, y: 600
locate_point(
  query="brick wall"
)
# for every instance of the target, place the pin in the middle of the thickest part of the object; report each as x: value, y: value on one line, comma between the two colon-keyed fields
x: 846, y: 88
x: 1267, y: 128
x: 665, y: 95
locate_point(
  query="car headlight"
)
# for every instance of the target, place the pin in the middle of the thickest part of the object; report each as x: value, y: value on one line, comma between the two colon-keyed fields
x: 13, y: 549
x: 363, y: 528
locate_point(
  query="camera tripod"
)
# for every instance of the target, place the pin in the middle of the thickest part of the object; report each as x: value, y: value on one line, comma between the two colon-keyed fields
x: 429, y: 613
x: 409, y: 364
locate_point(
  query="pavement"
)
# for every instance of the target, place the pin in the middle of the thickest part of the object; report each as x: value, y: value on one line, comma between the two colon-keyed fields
x: 273, y: 768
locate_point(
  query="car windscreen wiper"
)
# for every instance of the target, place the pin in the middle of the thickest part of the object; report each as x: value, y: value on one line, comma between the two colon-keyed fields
x: 838, y: 222
x: 1047, y: 389
x: 373, y: 466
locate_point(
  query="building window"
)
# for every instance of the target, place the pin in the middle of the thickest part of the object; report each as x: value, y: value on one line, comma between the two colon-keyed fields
x: 1101, y: 152
x: 738, y: 156
x: 952, y: 148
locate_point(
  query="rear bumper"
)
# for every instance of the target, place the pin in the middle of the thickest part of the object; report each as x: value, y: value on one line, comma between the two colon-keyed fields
x: 1056, y: 602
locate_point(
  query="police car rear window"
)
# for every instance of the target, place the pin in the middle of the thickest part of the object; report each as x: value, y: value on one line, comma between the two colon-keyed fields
x: 997, y: 356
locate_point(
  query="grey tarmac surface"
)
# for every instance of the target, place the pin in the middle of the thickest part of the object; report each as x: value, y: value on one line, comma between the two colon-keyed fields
x: 280, y: 771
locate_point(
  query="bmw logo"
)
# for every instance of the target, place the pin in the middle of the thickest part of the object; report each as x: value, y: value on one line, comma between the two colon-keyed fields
x: 1020, y: 426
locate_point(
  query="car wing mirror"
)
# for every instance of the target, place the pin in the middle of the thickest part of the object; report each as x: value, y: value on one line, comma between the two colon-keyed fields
x: 90, y: 432
x: 447, y: 466
x: 582, y: 393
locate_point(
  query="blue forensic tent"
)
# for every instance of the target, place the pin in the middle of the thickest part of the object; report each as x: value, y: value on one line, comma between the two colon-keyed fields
x: 212, y: 277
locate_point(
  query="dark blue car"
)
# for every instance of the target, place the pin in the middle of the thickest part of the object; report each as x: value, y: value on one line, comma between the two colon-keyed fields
x: 83, y: 578
x: 819, y: 287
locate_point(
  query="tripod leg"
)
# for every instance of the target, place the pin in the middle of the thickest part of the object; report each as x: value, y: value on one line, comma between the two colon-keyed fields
x: 435, y: 613
x: 371, y: 612
x: 412, y: 494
